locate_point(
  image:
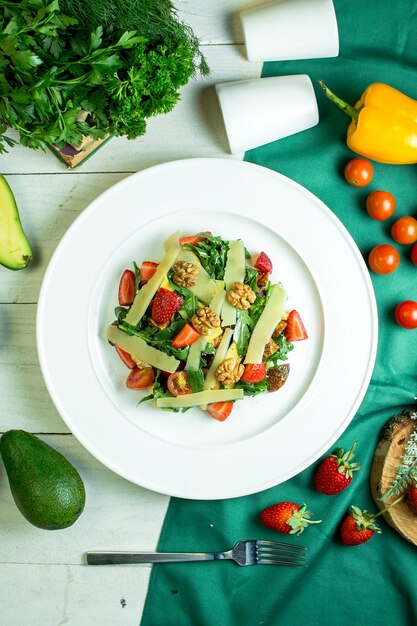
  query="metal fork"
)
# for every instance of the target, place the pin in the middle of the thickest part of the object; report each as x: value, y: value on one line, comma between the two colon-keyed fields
x: 245, y: 552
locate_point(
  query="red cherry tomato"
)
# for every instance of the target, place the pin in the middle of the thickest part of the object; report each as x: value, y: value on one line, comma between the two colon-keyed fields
x: 127, y: 288
x: 383, y: 259
x: 359, y: 172
x: 126, y: 358
x: 414, y: 254
x: 406, y: 314
x: 404, y: 230
x: 220, y: 410
x: 178, y: 384
x: 140, y: 378
x: 380, y: 205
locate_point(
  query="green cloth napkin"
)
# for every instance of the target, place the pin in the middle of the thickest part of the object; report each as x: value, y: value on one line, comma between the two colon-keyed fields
x: 374, y: 583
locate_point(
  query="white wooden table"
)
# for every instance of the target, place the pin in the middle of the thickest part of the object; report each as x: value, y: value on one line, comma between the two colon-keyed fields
x: 43, y: 579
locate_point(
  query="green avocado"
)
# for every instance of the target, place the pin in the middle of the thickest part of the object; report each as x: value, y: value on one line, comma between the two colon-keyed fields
x: 15, y: 252
x: 47, y: 489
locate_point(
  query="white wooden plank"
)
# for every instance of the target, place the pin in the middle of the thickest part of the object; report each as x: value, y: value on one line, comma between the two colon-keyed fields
x: 193, y: 129
x: 70, y: 595
x: 118, y: 516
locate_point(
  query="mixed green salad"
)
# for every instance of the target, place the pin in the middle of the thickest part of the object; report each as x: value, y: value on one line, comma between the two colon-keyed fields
x: 205, y: 326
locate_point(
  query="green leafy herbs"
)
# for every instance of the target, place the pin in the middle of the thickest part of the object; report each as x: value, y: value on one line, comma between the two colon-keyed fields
x: 159, y: 390
x: 161, y: 339
x: 70, y: 68
x: 284, y: 347
x: 252, y: 389
x: 195, y: 380
x: 212, y: 254
x: 406, y: 472
x: 242, y: 331
x: 190, y: 301
x: 250, y: 278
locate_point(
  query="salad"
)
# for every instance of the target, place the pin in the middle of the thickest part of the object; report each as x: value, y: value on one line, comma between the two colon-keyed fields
x: 205, y: 326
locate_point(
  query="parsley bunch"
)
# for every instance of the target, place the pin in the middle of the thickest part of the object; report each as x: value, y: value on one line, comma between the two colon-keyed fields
x: 120, y: 61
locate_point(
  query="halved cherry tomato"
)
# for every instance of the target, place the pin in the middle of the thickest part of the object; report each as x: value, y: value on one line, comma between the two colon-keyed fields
x: 220, y: 410
x: 147, y: 270
x: 404, y: 230
x: 140, y: 378
x: 126, y: 358
x: 359, y: 172
x: 178, y: 385
x: 383, y: 259
x: 187, y: 335
x: 414, y: 254
x: 406, y: 314
x: 295, y: 330
x: 193, y: 240
x: 127, y: 288
x: 380, y: 205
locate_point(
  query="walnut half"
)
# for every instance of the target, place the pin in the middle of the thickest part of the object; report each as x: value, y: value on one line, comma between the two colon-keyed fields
x: 241, y: 296
x: 204, y: 319
x: 184, y: 273
x: 229, y: 372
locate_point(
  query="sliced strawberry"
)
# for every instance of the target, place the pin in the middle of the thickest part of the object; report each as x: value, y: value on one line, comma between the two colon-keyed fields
x: 254, y: 373
x: 147, y: 270
x: 126, y: 358
x: 193, y: 240
x: 294, y: 330
x: 187, y: 335
x: 164, y: 305
x: 220, y: 410
x: 263, y: 263
x: 127, y: 288
x: 140, y: 378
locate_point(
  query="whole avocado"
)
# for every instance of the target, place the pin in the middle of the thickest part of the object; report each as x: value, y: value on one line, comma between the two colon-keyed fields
x: 47, y: 489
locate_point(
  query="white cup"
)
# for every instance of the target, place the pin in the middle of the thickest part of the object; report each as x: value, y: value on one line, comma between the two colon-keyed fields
x: 260, y: 110
x: 286, y: 30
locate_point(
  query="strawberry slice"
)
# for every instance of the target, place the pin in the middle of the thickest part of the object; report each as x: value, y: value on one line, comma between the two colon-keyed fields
x: 147, y: 270
x: 187, y: 335
x: 193, y: 240
x: 164, y: 305
x: 126, y: 358
x: 127, y: 288
x: 263, y: 263
x: 254, y: 373
x: 220, y: 410
x: 295, y: 330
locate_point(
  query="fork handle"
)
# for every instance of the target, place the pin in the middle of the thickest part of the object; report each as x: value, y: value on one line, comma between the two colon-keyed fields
x: 126, y: 558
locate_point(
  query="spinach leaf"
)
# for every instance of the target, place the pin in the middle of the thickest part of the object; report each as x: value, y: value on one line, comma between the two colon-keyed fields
x: 252, y: 389
x: 196, y: 380
x: 212, y: 254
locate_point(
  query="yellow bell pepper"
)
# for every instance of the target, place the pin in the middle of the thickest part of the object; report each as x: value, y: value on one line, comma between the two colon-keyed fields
x: 383, y: 126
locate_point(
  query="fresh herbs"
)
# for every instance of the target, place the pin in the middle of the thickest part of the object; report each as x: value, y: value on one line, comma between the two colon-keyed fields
x: 406, y: 472
x: 212, y: 253
x: 284, y: 346
x: 253, y: 389
x: 161, y: 339
x: 196, y: 380
x: 70, y: 68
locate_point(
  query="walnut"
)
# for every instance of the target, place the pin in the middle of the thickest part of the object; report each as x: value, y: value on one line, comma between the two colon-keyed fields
x: 241, y: 296
x: 229, y: 372
x: 270, y: 349
x: 204, y: 319
x: 184, y: 273
x: 262, y: 279
x: 279, y: 329
x: 277, y: 377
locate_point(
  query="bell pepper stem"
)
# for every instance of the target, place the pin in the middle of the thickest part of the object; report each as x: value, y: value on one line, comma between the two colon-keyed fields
x: 341, y: 104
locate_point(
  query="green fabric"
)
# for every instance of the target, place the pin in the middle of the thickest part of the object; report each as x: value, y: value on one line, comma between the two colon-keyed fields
x: 370, y: 584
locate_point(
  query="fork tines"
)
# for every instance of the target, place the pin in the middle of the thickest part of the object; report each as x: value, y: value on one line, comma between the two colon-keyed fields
x: 280, y: 553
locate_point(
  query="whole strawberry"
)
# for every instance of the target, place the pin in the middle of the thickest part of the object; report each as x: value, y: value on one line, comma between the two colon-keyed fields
x: 412, y: 497
x: 358, y: 527
x: 335, y: 473
x: 287, y: 518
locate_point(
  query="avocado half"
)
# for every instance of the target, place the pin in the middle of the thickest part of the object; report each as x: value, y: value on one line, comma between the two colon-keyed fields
x: 15, y: 251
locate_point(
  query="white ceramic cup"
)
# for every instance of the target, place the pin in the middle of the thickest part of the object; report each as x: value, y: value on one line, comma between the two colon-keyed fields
x: 260, y: 110
x: 291, y: 29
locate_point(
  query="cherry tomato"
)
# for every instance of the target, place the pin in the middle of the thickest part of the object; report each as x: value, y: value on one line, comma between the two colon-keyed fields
x: 406, y: 314
x: 414, y: 254
x: 126, y: 358
x: 140, y: 378
x: 380, y: 205
x: 404, y: 230
x: 383, y: 259
x: 178, y: 384
x: 359, y: 172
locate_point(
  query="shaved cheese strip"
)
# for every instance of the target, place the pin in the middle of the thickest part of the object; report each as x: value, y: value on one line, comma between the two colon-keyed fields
x: 200, y: 398
x: 173, y: 240
x: 270, y: 317
x: 139, y: 349
x: 218, y: 358
x: 234, y: 273
x: 205, y: 287
x: 146, y: 293
x: 193, y: 360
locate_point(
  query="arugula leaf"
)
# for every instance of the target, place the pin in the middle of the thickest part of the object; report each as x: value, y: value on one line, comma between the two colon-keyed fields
x: 281, y: 354
x: 251, y: 274
x: 196, y: 380
x: 212, y: 254
x: 120, y: 313
x: 190, y: 301
x: 242, y: 331
x: 252, y: 389
x: 160, y: 339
